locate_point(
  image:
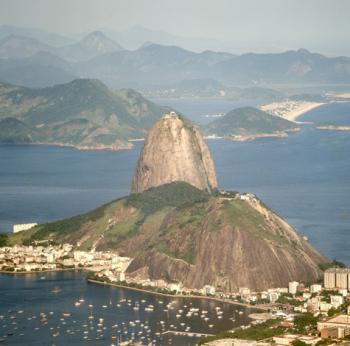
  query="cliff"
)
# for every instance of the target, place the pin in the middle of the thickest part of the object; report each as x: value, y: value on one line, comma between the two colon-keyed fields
x: 174, y: 151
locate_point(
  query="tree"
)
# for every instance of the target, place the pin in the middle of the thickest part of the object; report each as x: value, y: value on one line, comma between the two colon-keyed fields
x: 3, y: 240
x: 299, y: 343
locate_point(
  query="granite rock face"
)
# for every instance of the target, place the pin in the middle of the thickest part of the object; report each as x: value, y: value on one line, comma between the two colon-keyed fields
x: 174, y: 150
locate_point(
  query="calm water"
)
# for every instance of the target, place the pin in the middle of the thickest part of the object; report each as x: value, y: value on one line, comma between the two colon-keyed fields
x: 202, y: 110
x: 24, y: 298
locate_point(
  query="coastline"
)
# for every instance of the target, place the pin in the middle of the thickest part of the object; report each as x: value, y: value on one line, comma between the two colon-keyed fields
x: 77, y: 147
x: 246, y: 138
x: 293, y: 115
x: 276, y: 134
x: 334, y: 128
x: 290, y: 110
x: 219, y: 300
x: 40, y: 271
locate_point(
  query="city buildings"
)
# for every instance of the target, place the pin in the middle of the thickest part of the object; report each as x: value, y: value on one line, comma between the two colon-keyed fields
x: 335, y: 327
x: 337, y: 278
x: 293, y: 287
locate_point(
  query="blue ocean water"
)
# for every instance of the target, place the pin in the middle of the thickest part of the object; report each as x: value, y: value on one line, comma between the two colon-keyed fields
x: 305, y: 178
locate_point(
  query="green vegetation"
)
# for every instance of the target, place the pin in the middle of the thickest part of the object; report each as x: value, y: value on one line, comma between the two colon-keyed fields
x: 241, y: 214
x: 287, y: 298
x: 305, y: 323
x: 3, y: 240
x: 258, y: 332
x: 299, y: 343
x: 151, y: 207
x: 333, y: 264
x: 178, y: 194
x: 341, y: 309
x: 326, y: 295
x: 246, y: 121
x: 61, y: 228
x: 83, y: 112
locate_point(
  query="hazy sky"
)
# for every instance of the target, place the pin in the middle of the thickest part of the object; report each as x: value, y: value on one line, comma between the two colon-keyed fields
x: 319, y: 25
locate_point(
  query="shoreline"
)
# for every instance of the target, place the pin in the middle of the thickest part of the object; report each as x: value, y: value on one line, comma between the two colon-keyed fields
x: 276, y: 134
x: 76, y: 147
x: 294, y: 109
x: 343, y: 128
x: 219, y: 300
x: 40, y: 271
x: 252, y: 137
x: 142, y: 290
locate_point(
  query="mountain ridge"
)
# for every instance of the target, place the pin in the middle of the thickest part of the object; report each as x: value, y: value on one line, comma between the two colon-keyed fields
x: 83, y: 113
x: 97, y: 56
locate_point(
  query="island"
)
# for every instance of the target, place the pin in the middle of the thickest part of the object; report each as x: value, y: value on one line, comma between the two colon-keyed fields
x: 248, y: 123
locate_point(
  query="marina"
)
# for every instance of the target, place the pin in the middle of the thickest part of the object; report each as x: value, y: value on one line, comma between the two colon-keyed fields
x: 78, y: 312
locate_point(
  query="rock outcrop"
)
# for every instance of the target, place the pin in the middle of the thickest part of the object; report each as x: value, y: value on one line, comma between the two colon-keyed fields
x: 179, y: 230
x: 174, y: 151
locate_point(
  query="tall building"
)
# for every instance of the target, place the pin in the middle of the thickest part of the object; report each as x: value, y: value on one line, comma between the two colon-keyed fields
x: 341, y: 278
x: 23, y: 227
x: 293, y: 287
x: 337, y: 278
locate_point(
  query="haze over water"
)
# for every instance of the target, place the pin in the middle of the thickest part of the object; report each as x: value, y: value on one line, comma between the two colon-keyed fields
x: 305, y: 178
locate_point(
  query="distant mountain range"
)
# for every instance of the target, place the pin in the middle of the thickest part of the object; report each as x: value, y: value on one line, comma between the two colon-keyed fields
x: 137, y: 36
x: 91, y: 46
x: 49, y: 38
x: 31, y: 62
x: 83, y: 113
x: 156, y: 65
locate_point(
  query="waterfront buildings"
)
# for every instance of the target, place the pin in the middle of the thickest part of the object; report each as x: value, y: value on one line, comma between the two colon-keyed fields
x: 39, y: 258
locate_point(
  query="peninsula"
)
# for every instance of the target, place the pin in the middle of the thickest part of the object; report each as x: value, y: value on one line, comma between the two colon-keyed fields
x: 83, y: 114
x: 290, y: 110
x: 177, y: 230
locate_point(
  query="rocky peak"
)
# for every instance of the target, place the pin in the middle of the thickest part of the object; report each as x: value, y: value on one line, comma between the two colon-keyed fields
x: 174, y: 150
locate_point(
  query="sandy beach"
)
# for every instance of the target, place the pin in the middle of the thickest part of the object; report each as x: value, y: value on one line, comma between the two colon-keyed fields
x: 290, y: 110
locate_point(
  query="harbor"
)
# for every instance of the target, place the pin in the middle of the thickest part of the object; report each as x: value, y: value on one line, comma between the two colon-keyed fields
x: 63, y: 308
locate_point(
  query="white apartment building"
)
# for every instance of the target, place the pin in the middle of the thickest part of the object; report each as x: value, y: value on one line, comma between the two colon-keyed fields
x: 23, y: 227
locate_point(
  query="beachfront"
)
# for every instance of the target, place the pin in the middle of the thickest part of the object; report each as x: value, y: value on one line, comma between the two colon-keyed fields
x: 290, y: 110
